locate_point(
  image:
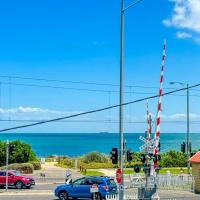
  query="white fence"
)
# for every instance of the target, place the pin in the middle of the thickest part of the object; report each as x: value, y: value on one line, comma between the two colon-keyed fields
x: 164, y: 181
x: 178, y: 182
x: 134, y: 196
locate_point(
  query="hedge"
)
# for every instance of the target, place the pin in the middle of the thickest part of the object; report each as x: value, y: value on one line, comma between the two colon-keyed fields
x: 25, y: 168
x: 36, y: 165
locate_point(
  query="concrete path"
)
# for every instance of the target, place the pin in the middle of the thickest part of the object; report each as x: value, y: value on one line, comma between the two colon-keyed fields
x: 53, y: 173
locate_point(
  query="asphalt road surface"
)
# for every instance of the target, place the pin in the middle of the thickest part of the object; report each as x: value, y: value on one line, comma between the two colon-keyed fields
x: 45, y: 192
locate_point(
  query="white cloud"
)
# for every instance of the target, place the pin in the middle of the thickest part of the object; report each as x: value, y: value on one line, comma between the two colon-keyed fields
x: 34, y: 113
x: 185, y: 15
x: 183, y: 35
x: 179, y: 116
x: 22, y: 109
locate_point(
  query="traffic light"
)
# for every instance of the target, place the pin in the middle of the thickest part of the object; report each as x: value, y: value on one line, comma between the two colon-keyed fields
x: 136, y: 168
x: 183, y: 147
x: 143, y: 158
x: 114, y: 155
x: 129, y: 155
x: 11, y: 148
x: 156, y: 158
x: 159, y: 146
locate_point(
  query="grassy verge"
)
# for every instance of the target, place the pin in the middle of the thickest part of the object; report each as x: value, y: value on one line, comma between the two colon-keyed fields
x: 93, y: 173
x: 129, y: 171
x: 173, y: 170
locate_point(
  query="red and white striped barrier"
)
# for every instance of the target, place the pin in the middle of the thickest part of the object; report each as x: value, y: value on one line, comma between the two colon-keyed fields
x: 157, y: 133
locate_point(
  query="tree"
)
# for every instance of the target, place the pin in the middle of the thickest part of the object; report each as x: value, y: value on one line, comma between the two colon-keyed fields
x: 22, y: 153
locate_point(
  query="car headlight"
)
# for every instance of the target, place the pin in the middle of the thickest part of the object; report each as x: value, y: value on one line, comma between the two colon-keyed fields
x: 27, y: 179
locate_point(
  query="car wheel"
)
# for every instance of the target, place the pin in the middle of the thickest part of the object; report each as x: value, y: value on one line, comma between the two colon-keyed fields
x: 28, y: 187
x: 19, y: 185
x: 63, y: 195
x: 97, y: 196
x: 2, y: 186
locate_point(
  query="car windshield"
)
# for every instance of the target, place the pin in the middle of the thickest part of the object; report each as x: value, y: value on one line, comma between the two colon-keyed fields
x: 80, y: 181
x: 16, y: 173
x: 110, y: 182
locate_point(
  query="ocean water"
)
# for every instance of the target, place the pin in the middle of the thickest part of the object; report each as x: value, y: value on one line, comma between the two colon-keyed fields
x: 75, y: 144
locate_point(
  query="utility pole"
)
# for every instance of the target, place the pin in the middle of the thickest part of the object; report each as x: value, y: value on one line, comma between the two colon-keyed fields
x: 121, y: 142
x: 7, y: 156
x: 188, y: 131
x: 188, y: 124
x: 121, y: 133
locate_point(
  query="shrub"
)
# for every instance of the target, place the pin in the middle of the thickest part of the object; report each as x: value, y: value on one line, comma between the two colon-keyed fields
x: 66, y: 162
x: 25, y: 168
x: 173, y: 159
x: 36, y: 165
x: 94, y: 157
x: 94, y: 165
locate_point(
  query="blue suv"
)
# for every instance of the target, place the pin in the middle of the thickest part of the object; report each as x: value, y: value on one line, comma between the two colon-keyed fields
x: 80, y: 188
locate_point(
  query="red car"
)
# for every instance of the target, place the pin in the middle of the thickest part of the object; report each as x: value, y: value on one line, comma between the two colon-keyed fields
x: 16, y: 179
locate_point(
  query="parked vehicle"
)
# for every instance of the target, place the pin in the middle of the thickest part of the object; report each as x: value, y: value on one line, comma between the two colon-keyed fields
x: 16, y: 179
x: 80, y: 188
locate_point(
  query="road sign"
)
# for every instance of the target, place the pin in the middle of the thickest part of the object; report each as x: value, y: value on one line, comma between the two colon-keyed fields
x: 94, y: 188
x: 119, y: 175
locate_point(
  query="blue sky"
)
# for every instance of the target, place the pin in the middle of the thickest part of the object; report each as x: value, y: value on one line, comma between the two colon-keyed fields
x: 79, y: 41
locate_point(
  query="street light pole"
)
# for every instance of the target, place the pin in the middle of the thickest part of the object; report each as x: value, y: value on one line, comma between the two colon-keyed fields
x: 188, y: 124
x: 188, y: 131
x: 121, y: 142
x: 7, y: 156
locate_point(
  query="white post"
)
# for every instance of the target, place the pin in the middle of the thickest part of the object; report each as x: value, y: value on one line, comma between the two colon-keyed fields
x: 7, y: 156
x: 75, y: 164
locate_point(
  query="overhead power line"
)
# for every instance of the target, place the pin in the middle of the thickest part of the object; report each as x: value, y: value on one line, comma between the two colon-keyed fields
x: 101, y: 121
x: 96, y: 110
x: 83, y: 89
x: 81, y: 82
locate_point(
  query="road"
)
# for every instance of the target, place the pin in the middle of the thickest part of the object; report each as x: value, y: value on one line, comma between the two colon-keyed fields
x: 44, y: 190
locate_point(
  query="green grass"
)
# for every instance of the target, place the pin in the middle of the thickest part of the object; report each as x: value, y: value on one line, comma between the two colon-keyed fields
x: 93, y: 173
x: 129, y: 171
x: 173, y: 170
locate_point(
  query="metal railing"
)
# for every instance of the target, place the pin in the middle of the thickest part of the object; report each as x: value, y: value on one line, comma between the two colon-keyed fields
x: 164, y: 181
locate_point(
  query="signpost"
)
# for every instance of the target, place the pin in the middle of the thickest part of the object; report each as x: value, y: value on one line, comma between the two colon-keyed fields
x: 119, y: 176
x: 94, y: 189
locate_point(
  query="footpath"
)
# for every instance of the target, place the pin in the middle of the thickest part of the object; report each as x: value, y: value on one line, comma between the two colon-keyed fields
x: 53, y: 174
x: 44, y: 186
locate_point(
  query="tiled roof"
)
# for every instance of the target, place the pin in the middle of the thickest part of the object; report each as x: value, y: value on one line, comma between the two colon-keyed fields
x: 195, y: 158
